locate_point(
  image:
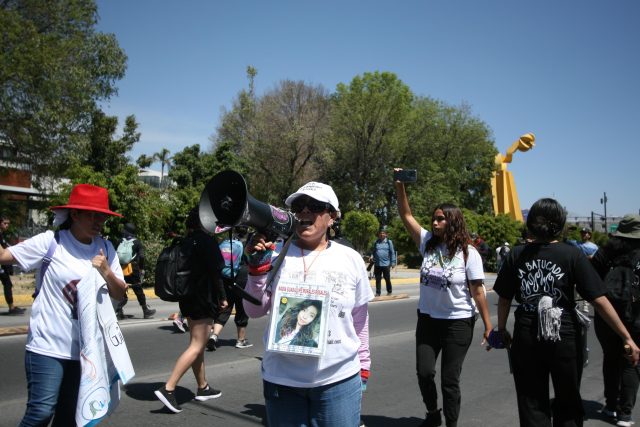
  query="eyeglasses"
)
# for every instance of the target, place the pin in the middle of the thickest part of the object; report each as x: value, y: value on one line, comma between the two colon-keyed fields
x: 439, y: 218
x: 312, y: 205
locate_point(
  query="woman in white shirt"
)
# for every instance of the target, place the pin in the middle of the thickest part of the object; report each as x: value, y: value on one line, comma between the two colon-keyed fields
x: 53, y: 351
x: 305, y: 386
x: 451, y: 293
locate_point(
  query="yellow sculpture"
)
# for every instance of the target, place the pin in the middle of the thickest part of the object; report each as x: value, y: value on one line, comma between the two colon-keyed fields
x: 503, y: 188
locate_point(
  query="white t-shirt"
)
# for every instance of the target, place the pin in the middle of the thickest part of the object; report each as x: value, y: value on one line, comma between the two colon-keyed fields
x: 444, y: 292
x: 343, y: 270
x: 53, y: 326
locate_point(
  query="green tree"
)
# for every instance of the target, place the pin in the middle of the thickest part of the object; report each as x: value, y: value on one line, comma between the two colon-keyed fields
x: 368, y: 121
x: 107, y: 154
x: 165, y: 160
x: 54, y: 67
x: 192, y: 168
x: 360, y: 228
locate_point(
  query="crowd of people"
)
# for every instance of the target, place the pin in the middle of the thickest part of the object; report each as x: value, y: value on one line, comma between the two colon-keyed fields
x: 312, y: 287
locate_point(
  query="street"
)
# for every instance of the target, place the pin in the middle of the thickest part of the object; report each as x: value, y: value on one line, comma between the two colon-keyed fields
x: 392, y: 398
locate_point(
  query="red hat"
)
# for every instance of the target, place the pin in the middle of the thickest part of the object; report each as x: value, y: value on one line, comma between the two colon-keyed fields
x: 89, y: 198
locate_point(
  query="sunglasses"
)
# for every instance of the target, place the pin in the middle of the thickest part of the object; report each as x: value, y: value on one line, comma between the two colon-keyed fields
x: 439, y: 218
x: 313, y: 206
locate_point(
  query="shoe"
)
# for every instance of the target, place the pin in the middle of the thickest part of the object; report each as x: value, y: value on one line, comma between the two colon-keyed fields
x: 148, y: 312
x: 17, y: 311
x: 624, y: 420
x: 120, y: 315
x: 212, y: 342
x: 608, y: 412
x: 388, y: 293
x: 434, y: 419
x: 361, y: 424
x: 243, y: 344
x: 168, y: 399
x: 207, y: 393
x: 179, y: 324
x: 377, y: 295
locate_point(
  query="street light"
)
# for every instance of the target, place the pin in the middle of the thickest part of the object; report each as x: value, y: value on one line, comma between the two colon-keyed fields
x: 603, y: 201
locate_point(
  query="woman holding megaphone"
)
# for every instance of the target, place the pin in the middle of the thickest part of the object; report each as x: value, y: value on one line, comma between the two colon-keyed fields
x: 309, y: 385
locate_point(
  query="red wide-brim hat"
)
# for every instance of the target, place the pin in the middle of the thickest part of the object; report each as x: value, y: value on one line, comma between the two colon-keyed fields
x: 89, y: 198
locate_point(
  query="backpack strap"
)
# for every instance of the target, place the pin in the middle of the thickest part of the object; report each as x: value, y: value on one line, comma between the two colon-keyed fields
x: 46, y: 261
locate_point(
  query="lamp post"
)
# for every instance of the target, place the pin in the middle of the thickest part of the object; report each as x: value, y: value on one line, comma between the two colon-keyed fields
x: 603, y: 201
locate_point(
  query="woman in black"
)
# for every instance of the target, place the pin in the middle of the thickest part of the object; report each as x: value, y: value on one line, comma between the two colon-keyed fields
x: 621, y: 380
x: 541, y: 276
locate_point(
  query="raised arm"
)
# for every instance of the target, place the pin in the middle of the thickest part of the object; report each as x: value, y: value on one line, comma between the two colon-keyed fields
x: 406, y: 216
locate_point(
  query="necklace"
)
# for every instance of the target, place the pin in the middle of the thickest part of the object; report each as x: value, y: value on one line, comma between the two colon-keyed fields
x: 304, y: 263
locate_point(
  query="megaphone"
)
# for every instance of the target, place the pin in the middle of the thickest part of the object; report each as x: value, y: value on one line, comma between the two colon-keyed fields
x: 225, y: 201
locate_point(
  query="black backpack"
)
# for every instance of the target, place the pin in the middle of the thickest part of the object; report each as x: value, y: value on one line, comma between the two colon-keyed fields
x: 173, y: 270
x: 623, y: 286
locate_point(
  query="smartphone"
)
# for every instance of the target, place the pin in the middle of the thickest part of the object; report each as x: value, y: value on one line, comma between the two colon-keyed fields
x: 405, y: 175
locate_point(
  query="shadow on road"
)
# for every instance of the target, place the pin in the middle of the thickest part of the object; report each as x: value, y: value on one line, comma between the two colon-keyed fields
x: 380, y: 421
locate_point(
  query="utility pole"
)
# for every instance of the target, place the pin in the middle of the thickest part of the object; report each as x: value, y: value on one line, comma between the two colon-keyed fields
x: 603, y: 201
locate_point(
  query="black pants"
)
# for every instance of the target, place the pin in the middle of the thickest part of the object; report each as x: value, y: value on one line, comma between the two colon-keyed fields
x: 8, y: 288
x: 453, y: 338
x: 534, y: 361
x: 241, y: 319
x: 137, y: 289
x: 621, y: 379
x: 378, y: 272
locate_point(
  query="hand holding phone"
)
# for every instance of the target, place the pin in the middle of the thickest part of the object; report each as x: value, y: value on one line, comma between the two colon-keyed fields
x: 405, y: 175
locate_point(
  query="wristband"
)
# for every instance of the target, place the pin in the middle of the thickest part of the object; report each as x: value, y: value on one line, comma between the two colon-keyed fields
x: 259, y: 262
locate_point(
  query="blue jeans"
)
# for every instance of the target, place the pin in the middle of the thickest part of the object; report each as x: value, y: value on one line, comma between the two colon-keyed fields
x: 52, y: 390
x: 332, y: 405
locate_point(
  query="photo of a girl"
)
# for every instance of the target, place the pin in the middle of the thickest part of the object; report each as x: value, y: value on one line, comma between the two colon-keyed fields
x: 298, y: 324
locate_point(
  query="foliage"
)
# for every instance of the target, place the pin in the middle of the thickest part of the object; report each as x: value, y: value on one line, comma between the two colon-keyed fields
x: 361, y: 229
x: 495, y: 230
x: 54, y: 67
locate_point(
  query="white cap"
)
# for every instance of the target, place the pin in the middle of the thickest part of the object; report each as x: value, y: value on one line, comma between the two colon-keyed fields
x: 318, y: 191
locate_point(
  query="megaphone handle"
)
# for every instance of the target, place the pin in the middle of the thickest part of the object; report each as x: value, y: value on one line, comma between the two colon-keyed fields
x: 278, y: 263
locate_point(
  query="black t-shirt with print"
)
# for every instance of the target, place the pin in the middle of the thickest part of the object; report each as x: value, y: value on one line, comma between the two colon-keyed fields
x: 537, y: 269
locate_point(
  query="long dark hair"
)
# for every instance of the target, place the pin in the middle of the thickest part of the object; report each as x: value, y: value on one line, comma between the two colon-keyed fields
x: 546, y: 219
x: 455, y: 234
x: 290, y: 319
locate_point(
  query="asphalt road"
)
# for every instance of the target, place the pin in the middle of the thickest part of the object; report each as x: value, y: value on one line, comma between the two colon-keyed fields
x: 392, y: 398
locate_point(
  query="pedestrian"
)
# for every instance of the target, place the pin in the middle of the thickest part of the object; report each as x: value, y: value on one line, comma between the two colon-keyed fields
x: 199, y: 308
x: 482, y: 247
x: 501, y: 253
x: 589, y: 249
x: 621, y: 378
x: 131, y: 254
x: 52, y: 357
x: 451, y: 294
x: 383, y: 255
x: 234, y: 272
x: 300, y: 388
x: 547, y: 336
x: 7, y: 270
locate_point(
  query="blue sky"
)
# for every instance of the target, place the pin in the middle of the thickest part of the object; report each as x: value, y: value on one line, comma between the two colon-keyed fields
x: 568, y: 71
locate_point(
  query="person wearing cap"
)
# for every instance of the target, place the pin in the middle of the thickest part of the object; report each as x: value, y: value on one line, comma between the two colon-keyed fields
x: 384, y: 259
x: 501, y: 254
x: 52, y: 357
x: 135, y: 270
x: 452, y: 293
x: 301, y: 389
x: 621, y: 380
x: 547, y: 344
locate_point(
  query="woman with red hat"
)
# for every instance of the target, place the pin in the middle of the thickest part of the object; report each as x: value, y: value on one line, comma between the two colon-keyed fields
x: 53, y: 351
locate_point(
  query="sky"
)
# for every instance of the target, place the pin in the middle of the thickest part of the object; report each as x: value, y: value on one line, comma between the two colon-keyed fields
x: 567, y: 71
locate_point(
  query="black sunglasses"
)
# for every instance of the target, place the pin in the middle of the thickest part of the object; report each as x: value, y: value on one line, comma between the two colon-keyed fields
x: 314, y: 206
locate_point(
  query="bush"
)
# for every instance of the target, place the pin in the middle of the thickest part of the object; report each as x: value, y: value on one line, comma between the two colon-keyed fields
x: 361, y: 228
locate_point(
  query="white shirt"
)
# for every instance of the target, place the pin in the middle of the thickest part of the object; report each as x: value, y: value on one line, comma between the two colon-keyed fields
x: 444, y: 292
x: 53, y: 326
x: 343, y: 270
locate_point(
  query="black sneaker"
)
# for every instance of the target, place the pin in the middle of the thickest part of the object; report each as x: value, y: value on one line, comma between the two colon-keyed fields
x: 207, y: 393
x: 148, y: 312
x: 120, y: 315
x: 168, y: 399
x: 212, y: 342
x: 16, y: 311
x: 434, y: 419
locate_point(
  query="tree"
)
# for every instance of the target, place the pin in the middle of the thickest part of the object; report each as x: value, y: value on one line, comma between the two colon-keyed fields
x: 143, y: 161
x: 368, y: 120
x: 54, y: 67
x: 107, y: 154
x: 360, y: 228
x: 165, y: 160
x: 192, y: 168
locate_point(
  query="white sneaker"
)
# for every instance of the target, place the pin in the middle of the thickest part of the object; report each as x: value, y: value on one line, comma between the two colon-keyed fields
x: 179, y: 324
